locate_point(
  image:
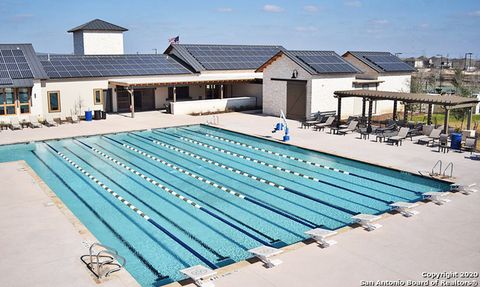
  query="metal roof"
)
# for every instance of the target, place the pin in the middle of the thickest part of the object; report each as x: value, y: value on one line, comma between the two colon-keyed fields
x: 447, y: 100
x: 381, y: 62
x: 19, y: 65
x: 89, y: 66
x: 98, y: 25
x: 205, y: 57
x: 316, y: 62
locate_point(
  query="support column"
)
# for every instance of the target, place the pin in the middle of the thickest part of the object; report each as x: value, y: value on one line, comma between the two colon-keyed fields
x: 221, y: 91
x: 364, y: 103
x: 395, y: 110
x: 469, y: 118
x: 405, y: 112
x: 174, y: 94
x: 429, y: 114
x: 445, y: 121
x: 132, y: 101
x: 339, y: 111
x: 370, y: 111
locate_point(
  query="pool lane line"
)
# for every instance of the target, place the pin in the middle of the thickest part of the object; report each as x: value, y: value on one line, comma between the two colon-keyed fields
x: 158, y: 142
x: 307, y: 162
x: 302, y: 221
x: 157, y: 146
x: 107, y: 225
x: 220, y: 211
x: 216, y: 185
x: 212, y: 136
x: 309, y: 177
x: 134, y: 208
x: 282, y: 187
x: 152, y: 181
x: 219, y: 256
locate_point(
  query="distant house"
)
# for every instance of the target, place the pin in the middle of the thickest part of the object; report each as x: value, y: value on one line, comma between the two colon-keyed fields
x: 417, y: 63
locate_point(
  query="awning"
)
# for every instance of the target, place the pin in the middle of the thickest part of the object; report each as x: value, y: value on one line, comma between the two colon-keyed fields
x: 367, y: 81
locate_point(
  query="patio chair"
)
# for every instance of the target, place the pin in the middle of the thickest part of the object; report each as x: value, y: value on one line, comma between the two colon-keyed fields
x: 49, y: 122
x: 75, y: 119
x: 434, y: 136
x: 416, y: 130
x: 391, y: 127
x: 443, y: 143
x: 469, y: 145
x: 351, y: 127
x: 402, y: 134
x: 327, y: 123
x: 15, y: 124
x: 316, y: 119
x: 34, y: 123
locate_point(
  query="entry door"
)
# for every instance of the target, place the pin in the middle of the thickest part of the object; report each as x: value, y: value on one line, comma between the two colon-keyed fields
x: 108, y: 101
x: 296, y: 101
x: 137, y: 95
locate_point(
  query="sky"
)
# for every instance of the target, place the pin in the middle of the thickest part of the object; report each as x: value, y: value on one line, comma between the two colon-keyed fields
x: 410, y: 27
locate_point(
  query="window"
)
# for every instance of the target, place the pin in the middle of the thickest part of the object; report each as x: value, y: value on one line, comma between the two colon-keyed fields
x: 24, y: 100
x: 212, y: 91
x: 98, y: 97
x: 7, y: 101
x: 182, y: 93
x: 53, y: 102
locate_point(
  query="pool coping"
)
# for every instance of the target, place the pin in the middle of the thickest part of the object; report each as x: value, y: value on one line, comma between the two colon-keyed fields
x: 79, y: 227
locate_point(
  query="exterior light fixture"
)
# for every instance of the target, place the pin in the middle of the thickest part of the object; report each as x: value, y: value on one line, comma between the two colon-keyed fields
x: 294, y: 74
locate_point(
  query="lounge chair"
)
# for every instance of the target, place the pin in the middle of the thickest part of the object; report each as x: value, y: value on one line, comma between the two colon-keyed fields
x: 15, y: 124
x: 34, y: 123
x: 320, y: 235
x: 351, y: 127
x: 199, y: 274
x: 264, y: 253
x: 366, y: 221
x: 75, y: 119
x: 405, y: 208
x: 316, y: 119
x: 327, y: 123
x: 431, y: 138
x: 402, y: 134
x: 49, y: 122
x: 443, y: 143
x: 469, y: 145
x: 63, y: 119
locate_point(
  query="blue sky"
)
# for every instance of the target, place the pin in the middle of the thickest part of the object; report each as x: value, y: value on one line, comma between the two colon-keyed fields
x: 411, y: 27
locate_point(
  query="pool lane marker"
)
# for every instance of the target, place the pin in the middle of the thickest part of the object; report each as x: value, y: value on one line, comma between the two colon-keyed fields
x: 237, y: 171
x: 152, y: 181
x: 219, y: 256
x: 305, y: 161
x: 133, y: 208
x: 162, y: 278
x: 286, y: 214
x: 283, y: 170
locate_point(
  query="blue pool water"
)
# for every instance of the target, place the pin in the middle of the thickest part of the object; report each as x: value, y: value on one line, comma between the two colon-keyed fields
x: 172, y: 198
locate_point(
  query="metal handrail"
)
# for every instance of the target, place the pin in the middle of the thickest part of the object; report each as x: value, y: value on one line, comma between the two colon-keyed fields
x: 110, y: 255
x: 440, y: 168
x: 451, y: 169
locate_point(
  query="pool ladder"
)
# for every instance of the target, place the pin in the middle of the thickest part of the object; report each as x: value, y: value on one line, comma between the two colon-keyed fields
x: 215, y: 120
x: 103, y: 260
x: 442, y: 172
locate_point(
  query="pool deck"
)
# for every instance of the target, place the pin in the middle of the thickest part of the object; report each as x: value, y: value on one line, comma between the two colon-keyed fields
x: 440, y: 238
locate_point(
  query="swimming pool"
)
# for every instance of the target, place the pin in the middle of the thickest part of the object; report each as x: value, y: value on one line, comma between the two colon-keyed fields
x: 171, y: 198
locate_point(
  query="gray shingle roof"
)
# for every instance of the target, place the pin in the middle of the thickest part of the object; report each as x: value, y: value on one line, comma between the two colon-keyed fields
x: 204, y: 57
x: 98, y: 25
x: 19, y: 65
x: 382, y: 62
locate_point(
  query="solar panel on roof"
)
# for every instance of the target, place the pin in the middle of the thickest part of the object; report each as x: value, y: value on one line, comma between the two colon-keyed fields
x: 231, y: 57
x: 14, y: 65
x: 383, y: 61
x: 5, y: 81
x: 74, y: 66
x: 325, y: 62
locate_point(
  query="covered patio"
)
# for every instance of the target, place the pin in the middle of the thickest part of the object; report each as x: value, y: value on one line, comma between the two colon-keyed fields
x: 448, y: 102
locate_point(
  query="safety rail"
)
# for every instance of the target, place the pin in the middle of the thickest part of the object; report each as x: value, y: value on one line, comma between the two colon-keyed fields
x: 450, y: 165
x: 100, y: 261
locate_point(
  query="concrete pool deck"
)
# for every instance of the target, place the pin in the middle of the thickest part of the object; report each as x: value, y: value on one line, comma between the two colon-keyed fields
x: 441, y: 238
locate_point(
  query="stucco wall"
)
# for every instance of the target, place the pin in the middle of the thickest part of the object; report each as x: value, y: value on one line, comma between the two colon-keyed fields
x: 212, y: 106
x: 323, y: 98
x: 98, y: 42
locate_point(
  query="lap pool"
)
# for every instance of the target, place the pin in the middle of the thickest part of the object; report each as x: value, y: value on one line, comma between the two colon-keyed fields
x: 171, y: 198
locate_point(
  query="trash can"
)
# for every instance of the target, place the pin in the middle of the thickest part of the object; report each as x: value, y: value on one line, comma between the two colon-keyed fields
x: 104, y: 115
x: 88, y: 116
x: 456, y: 140
x: 97, y: 115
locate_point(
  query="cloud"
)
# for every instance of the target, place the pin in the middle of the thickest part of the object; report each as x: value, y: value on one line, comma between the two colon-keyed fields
x: 475, y: 13
x: 272, y: 8
x: 306, y: 29
x: 379, y: 22
x: 311, y: 8
x: 353, y: 3
x: 424, y: 25
x: 21, y: 17
x: 224, y: 9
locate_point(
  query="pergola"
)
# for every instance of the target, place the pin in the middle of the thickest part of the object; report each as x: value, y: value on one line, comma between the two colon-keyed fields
x: 449, y: 102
